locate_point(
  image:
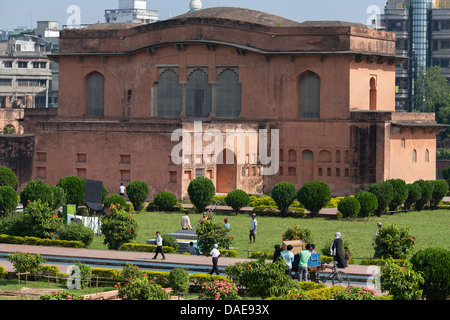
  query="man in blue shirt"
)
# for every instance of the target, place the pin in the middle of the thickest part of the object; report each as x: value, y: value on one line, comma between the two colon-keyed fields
x: 288, y: 257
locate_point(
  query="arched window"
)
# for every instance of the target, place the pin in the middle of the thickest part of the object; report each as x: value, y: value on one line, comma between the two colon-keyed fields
x: 309, y: 93
x: 292, y: 155
x: 308, y: 155
x: 9, y: 129
x: 414, y: 156
x: 95, y: 99
x: 403, y: 143
x: 198, y: 95
x: 427, y: 156
x: 169, y: 95
x: 228, y: 95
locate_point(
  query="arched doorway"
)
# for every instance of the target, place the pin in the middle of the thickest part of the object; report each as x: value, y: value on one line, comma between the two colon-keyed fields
x: 226, y: 172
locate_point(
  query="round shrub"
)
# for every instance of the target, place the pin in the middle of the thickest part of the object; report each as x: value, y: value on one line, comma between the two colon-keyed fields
x: 349, y: 207
x: 8, y: 178
x: 138, y: 192
x: 179, y: 280
x: 73, y: 188
x: 414, y: 194
x: 440, y: 189
x: 434, y: 264
x: 36, y: 190
x: 201, y: 190
x: 368, y: 202
x: 165, y: 201
x: 400, y: 193
x: 384, y: 193
x: 59, y: 197
x: 237, y: 199
x: 284, y: 194
x: 314, y: 195
x: 115, y: 199
x: 8, y: 200
x: 170, y: 241
x: 76, y: 231
x: 427, y: 194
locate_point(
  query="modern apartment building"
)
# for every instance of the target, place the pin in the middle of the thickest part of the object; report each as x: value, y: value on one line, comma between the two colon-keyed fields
x: 131, y: 11
x: 28, y: 79
x: 422, y: 29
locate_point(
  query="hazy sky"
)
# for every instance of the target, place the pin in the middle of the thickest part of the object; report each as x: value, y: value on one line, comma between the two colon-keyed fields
x: 14, y: 13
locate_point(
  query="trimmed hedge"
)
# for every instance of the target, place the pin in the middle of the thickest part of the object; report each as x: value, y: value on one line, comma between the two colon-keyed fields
x: 33, y: 241
x: 160, y: 277
x: 144, y: 248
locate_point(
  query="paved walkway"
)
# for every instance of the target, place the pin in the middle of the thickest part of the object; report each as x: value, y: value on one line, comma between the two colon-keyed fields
x: 173, y: 260
x: 136, y: 257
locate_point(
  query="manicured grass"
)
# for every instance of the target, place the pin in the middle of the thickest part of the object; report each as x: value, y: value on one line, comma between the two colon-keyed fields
x: 430, y: 228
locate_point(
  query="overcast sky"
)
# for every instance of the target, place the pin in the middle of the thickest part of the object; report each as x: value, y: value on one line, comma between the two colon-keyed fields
x: 14, y: 13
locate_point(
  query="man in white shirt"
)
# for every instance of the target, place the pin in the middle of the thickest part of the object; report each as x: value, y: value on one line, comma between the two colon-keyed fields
x: 159, y: 243
x: 122, y: 190
x: 186, y: 222
x: 253, y: 227
x: 215, y: 258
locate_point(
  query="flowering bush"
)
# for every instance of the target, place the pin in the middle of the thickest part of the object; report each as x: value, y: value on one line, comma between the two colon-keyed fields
x: 135, y: 285
x: 393, y: 241
x: 355, y: 293
x: 210, y: 233
x: 297, y: 233
x: 42, y: 221
x: 402, y: 282
x: 220, y: 290
x: 26, y: 262
x: 60, y: 295
x: 118, y: 227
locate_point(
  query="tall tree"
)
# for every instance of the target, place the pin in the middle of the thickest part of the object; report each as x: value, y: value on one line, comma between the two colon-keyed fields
x: 431, y: 90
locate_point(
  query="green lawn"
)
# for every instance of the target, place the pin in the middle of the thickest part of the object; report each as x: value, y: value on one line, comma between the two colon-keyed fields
x: 430, y: 228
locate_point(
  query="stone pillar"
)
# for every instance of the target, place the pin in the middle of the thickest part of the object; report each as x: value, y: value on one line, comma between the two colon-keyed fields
x: 183, y: 99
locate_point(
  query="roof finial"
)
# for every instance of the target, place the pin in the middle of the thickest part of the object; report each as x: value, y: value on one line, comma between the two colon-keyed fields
x: 195, y: 5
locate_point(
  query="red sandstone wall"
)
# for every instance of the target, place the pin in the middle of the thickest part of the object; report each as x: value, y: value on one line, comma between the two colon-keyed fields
x: 401, y: 159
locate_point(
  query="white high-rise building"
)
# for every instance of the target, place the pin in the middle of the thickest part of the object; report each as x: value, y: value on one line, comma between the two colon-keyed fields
x: 132, y: 11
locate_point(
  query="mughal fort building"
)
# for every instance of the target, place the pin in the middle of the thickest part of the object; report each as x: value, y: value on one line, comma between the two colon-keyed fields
x: 326, y: 87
